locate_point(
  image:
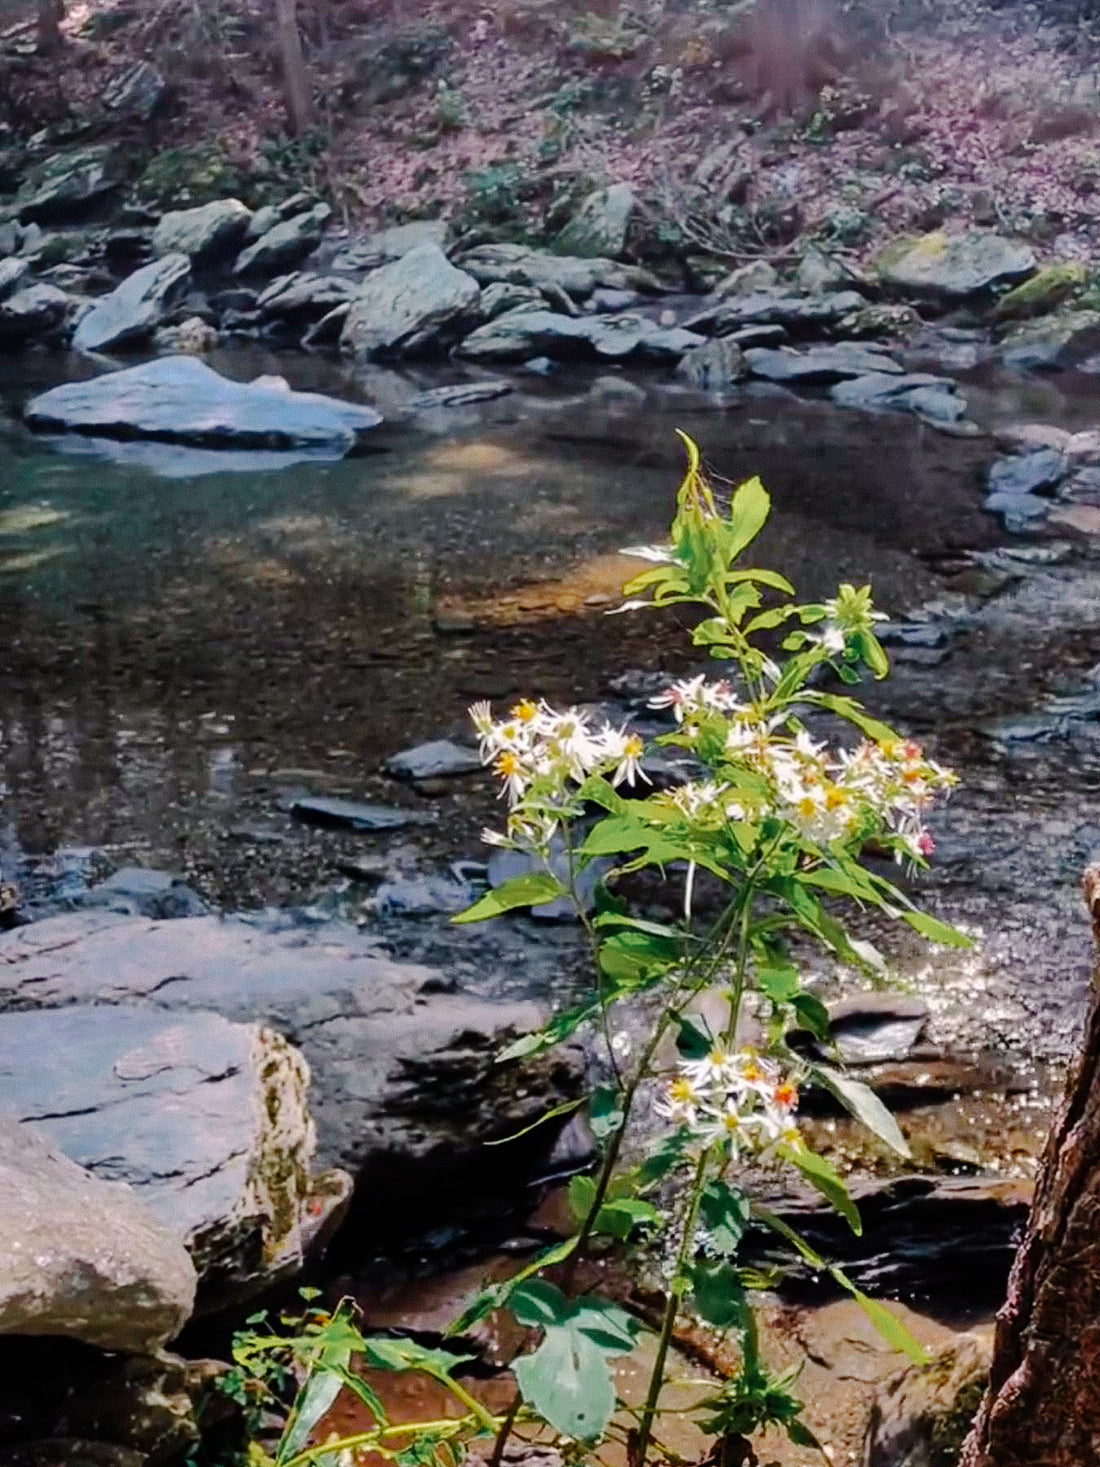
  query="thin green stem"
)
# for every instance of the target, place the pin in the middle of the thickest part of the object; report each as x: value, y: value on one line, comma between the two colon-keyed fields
x: 675, y: 1293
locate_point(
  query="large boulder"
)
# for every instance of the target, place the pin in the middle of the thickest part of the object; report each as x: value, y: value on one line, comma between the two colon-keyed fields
x: 134, y: 309
x: 13, y: 272
x: 83, y: 1257
x: 67, y: 188
x: 599, y: 227
x: 405, y: 1079
x: 522, y: 334
x: 180, y: 400
x: 32, y: 313
x: 205, y: 1119
x: 951, y: 267
x: 285, y: 245
x: 417, y: 302
x: 1051, y: 343
x: 203, y: 233
x: 302, y: 298
x: 387, y: 245
x: 512, y: 264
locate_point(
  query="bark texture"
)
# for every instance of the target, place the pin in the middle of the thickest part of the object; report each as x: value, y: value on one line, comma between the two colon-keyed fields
x: 299, y: 104
x: 1042, y: 1408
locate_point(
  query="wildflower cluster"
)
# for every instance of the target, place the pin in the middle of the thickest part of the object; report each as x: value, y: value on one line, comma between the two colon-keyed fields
x: 542, y: 757
x: 738, y: 1100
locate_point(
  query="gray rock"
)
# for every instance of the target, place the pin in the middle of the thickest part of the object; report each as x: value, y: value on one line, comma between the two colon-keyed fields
x: 405, y: 1078
x: 135, y: 308
x: 801, y: 315
x: 81, y: 1257
x: 11, y: 237
x: 747, y: 280
x: 32, y: 313
x: 303, y: 297
x: 1018, y: 507
x: 909, y: 391
x: 714, y: 367
x: 921, y: 1417
x: 12, y: 274
x: 1028, y: 473
x: 513, y: 264
x: 817, y: 274
x: 459, y: 395
x: 877, y: 1026
x: 206, y: 1119
x: 953, y: 267
x: 1050, y: 343
x: 521, y: 335
x: 420, y: 896
x: 599, y: 228
x: 387, y: 245
x: 942, y: 407
x: 181, y: 400
x: 204, y: 233
x: 757, y: 336
x: 67, y: 188
x: 140, y: 891
x: 285, y: 245
x: 433, y: 760
x: 339, y: 814
x: 819, y: 364
x: 136, y: 91
x: 499, y: 298
x: 192, y: 337
x: 415, y: 303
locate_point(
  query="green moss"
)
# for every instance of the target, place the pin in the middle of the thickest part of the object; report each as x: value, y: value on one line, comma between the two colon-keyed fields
x: 896, y: 250
x: 1048, y: 288
x: 185, y: 177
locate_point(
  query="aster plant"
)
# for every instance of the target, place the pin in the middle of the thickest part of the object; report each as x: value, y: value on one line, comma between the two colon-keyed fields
x: 761, y: 851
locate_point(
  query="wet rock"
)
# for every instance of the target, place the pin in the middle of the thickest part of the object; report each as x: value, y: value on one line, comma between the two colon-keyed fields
x: 953, y: 267
x: 204, y: 234
x: 578, y: 278
x: 12, y: 273
x: 819, y: 364
x: 1050, y: 287
x: 136, y: 307
x: 599, y: 228
x: 520, y: 335
x: 817, y: 273
x: 500, y: 298
x: 420, y: 896
x: 71, y: 1452
x: 68, y: 188
x: 406, y: 1085
x: 877, y: 1026
x: 876, y: 322
x: 922, y: 1416
x: 206, y: 1119
x: 388, y: 245
x: 1083, y: 449
x: 286, y: 244
x: 326, y: 331
x: 717, y: 366
x: 135, y: 91
x: 142, y: 892
x: 1052, y: 342
x: 433, y: 760
x: 1029, y: 473
x: 761, y: 335
x: 338, y: 814
x: 613, y: 300
x: 181, y: 400
x: 32, y: 313
x: 800, y: 315
x: 1021, y: 511
x: 919, y: 392
x: 160, y: 1405
x: 302, y: 298
x: 459, y: 395
x: 415, y: 304
x: 747, y: 280
x: 192, y: 337
x: 83, y: 1257
x: 1027, y: 437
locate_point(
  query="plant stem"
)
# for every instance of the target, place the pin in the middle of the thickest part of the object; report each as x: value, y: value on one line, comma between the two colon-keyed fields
x: 676, y: 1289
x: 505, y: 1431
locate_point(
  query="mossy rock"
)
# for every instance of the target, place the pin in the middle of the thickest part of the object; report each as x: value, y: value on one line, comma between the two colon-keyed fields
x: 184, y: 177
x: 1050, y: 287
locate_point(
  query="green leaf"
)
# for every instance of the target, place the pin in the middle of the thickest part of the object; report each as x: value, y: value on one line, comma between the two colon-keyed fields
x: 718, y: 1295
x: 567, y: 1381
x: 811, y: 1014
x: 608, y: 1326
x: 540, y: 1304
x: 822, y: 1175
x: 801, y: 1435
x: 693, y: 1040
x: 530, y: 890
x: 936, y: 931
x: 620, y: 1217
x: 665, y: 1156
x: 852, y: 712
x: 605, y: 1112
x: 778, y: 982
x: 581, y: 1193
x: 496, y: 1296
x: 316, y: 1396
x: 386, y: 1353
x: 865, y: 1105
x: 560, y: 1027
x: 598, y: 791
x: 748, y: 515
x: 725, y: 1213
x: 551, y: 1115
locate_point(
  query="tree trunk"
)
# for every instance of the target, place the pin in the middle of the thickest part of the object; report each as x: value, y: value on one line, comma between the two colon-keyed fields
x: 1042, y: 1408
x: 299, y: 106
x: 50, y: 15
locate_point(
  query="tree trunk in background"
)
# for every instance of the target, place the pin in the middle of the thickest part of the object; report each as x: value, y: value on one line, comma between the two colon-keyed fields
x: 1042, y: 1408
x: 50, y: 15
x: 299, y: 106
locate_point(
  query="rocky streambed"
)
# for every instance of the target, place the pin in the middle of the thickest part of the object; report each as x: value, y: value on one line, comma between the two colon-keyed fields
x: 240, y: 802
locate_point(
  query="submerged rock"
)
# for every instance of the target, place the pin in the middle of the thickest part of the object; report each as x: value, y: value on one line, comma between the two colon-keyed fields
x: 206, y: 1119
x: 135, y: 308
x: 953, y: 267
x: 181, y: 400
x: 83, y: 1257
x: 338, y: 814
x: 931, y: 397
x: 417, y: 303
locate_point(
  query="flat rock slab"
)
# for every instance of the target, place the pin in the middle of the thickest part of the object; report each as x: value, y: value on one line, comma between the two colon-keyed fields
x: 181, y: 400
x: 820, y: 364
x: 205, y: 1118
x: 405, y: 1079
x: 135, y: 308
x: 338, y: 814
x: 799, y: 314
x: 1028, y: 473
x: 434, y: 760
x: 81, y: 1257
